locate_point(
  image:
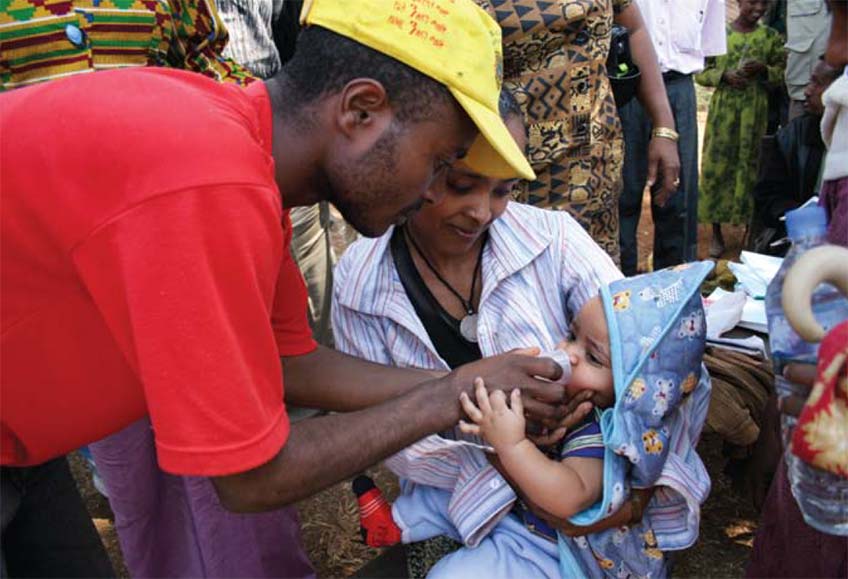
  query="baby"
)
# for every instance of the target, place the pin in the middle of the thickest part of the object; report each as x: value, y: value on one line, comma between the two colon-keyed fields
x: 579, y: 464
x: 639, y: 347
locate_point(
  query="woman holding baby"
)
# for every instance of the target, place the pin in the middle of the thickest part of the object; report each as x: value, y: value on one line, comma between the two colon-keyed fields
x: 471, y: 276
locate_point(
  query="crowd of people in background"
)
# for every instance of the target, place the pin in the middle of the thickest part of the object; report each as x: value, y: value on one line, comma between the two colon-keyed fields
x: 771, y: 141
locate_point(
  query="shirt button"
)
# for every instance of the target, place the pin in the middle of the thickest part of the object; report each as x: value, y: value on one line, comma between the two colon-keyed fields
x: 494, y: 484
x: 75, y: 35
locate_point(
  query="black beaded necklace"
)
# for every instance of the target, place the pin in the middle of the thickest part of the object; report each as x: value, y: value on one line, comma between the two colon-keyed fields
x: 468, y: 324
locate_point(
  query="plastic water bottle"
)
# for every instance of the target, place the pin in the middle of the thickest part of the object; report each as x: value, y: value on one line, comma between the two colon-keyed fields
x: 821, y: 495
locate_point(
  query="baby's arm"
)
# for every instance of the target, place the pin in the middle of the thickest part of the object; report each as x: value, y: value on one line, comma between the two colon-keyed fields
x: 563, y: 488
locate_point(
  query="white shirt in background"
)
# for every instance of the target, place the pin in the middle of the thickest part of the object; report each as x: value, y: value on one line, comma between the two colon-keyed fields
x: 807, y: 26
x: 834, y: 128
x: 685, y: 32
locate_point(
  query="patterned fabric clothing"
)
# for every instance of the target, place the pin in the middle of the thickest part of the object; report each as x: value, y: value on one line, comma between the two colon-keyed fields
x: 736, y: 122
x: 48, y: 39
x: 588, y: 188
x: 555, y: 60
x: 585, y: 440
x: 251, y: 25
x: 822, y: 429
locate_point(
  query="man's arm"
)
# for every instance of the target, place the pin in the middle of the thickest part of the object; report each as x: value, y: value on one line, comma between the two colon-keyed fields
x: 323, y: 451
x: 331, y: 380
x: 662, y: 152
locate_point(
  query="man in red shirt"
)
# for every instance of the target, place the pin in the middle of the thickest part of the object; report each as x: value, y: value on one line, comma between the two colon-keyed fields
x: 145, y: 272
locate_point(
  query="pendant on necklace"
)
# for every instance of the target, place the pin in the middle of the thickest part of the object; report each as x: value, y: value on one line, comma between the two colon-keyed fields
x: 468, y: 327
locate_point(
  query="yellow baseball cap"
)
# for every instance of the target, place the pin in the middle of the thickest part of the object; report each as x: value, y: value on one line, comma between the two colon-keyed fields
x: 452, y: 41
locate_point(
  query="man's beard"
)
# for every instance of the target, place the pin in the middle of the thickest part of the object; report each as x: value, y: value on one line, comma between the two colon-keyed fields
x: 366, y: 184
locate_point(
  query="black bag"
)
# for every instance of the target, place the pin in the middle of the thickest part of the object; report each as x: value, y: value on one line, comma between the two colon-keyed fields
x: 623, y: 73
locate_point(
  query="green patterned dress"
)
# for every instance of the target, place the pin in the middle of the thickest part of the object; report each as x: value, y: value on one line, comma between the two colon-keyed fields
x: 736, y: 122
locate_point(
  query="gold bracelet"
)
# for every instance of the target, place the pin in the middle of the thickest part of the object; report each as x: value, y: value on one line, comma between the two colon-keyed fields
x: 665, y: 133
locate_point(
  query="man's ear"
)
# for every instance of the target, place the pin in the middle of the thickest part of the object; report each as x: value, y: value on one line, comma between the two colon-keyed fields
x: 363, y: 106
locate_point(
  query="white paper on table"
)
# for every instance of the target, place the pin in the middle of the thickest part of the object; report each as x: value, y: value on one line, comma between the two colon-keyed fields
x: 723, y: 310
x: 765, y: 266
x: 752, y: 317
x: 748, y: 280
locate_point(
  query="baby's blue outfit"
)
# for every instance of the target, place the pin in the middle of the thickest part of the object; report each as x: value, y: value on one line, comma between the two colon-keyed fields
x: 657, y: 337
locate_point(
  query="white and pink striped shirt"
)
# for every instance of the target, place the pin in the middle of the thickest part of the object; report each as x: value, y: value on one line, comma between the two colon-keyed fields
x: 539, y: 268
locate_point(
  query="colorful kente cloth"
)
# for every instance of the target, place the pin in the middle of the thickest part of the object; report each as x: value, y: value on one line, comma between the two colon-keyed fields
x: 555, y: 60
x: 736, y: 122
x: 821, y: 436
x: 47, y: 39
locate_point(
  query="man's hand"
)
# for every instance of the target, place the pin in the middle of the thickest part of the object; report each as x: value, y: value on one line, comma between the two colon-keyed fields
x: 734, y: 79
x: 663, y: 159
x: 498, y: 424
x: 574, y: 412
x: 519, y: 369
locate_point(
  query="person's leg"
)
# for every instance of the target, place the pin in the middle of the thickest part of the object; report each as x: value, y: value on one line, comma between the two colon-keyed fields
x: 421, y: 512
x: 676, y: 224
x: 313, y: 253
x: 152, y: 518
x: 509, y: 551
x: 10, y: 502
x: 637, y: 130
x: 717, y: 246
x: 50, y: 533
x: 245, y: 545
x: 175, y: 526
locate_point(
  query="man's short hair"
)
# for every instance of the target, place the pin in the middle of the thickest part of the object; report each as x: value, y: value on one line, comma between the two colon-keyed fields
x: 324, y: 62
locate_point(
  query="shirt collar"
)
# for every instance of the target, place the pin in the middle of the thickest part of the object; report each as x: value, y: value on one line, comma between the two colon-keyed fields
x: 376, y: 288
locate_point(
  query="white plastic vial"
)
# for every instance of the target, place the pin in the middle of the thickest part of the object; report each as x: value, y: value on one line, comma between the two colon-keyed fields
x: 560, y: 357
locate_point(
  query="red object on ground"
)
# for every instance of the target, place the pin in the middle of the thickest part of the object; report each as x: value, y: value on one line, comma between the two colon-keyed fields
x: 375, y: 515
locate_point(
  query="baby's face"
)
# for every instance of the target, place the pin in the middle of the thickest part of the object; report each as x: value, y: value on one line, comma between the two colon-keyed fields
x: 589, y: 352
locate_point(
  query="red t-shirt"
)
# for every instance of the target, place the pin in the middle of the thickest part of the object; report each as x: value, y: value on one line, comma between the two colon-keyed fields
x: 145, y: 269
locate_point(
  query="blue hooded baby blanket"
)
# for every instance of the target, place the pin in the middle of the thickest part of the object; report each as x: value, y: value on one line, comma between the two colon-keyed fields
x: 657, y: 336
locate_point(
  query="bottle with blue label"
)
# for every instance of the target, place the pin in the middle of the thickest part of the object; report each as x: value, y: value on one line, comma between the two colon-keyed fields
x: 820, y: 495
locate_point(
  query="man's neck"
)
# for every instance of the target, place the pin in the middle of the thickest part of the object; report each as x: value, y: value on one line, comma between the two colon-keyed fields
x: 297, y: 154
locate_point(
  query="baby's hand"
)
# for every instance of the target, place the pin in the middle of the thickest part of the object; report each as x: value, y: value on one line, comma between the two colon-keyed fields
x: 500, y: 425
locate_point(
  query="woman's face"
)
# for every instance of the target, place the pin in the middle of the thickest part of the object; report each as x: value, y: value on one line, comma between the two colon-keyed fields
x: 751, y: 11
x: 470, y: 204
